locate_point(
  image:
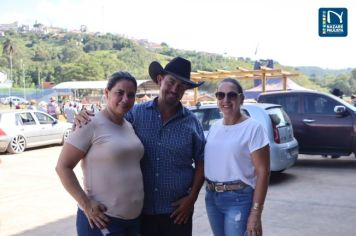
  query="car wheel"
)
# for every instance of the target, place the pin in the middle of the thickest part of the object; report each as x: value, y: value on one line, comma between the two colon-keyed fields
x: 17, y: 144
x: 66, y: 135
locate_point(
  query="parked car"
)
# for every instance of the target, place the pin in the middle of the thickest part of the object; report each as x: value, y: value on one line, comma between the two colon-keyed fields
x: 14, y: 99
x: 283, y: 145
x: 323, y: 123
x: 21, y: 129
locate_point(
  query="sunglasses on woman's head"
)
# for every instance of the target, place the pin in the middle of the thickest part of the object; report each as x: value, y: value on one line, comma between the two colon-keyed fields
x: 230, y: 95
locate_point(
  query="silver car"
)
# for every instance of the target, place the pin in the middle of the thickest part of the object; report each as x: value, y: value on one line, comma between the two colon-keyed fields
x: 21, y: 129
x: 14, y: 99
x: 283, y: 145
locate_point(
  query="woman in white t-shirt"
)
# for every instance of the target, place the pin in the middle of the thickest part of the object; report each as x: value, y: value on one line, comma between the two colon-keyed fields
x: 236, y: 165
x: 110, y: 154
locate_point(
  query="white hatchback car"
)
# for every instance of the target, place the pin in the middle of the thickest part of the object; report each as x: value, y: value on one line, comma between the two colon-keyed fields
x: 21, y: 129
x: 283, y: 145
x: 14, y: 100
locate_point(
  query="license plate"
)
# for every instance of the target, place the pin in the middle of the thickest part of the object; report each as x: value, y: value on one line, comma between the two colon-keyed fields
x: 293, y: 152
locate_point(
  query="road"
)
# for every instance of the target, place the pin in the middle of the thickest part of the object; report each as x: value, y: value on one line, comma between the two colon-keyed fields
x: 315, y: 197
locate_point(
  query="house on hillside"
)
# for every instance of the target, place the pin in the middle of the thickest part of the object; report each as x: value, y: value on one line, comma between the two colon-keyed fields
x: 4, y: 82
x: 53, y: 30
x: 24, y: 29
x: 11, y: 26
x: 3, y: 77
x: 47, y: 85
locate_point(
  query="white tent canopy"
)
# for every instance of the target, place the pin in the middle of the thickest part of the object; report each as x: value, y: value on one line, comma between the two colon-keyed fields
x: 82, y: 85
x: 101, y: 84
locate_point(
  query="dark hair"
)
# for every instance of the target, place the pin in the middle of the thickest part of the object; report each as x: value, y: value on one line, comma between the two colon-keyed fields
x: 120, y: 75
x: 234, y: 82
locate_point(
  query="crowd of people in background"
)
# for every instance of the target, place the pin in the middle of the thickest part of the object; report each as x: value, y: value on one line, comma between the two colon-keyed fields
x: 66, y: 108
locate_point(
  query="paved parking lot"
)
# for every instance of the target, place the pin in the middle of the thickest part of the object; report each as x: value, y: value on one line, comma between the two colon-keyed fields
x: 315, y: 197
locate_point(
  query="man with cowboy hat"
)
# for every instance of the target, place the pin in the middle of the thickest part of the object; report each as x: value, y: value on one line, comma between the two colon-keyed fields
x: 173, y: 139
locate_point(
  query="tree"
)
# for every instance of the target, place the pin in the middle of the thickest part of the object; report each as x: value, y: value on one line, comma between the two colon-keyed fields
x: 341, y: 83
x: 84, y: 69
x: 353, y: 81
x: 8, y: 50
x: 71, y: 51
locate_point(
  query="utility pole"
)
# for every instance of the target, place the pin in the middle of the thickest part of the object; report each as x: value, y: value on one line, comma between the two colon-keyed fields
x: 24, y: 80
x: 39, y: 80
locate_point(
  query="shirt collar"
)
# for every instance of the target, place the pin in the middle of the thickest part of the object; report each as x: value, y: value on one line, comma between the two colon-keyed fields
x: 152, y: 104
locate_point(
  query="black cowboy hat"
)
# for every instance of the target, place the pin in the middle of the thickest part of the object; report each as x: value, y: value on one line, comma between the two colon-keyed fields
x: 178, y: 67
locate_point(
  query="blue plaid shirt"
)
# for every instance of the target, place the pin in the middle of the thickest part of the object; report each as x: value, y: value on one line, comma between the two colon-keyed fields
x: 170, y: 150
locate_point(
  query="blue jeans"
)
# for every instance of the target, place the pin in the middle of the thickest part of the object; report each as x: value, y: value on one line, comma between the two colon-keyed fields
x: 116, y: 227
x: 228, y: 211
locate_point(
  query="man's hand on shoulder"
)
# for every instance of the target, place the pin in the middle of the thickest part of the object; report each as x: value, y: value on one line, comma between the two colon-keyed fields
x: 83, y: 117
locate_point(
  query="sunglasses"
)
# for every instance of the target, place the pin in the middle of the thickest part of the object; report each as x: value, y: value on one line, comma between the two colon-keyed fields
x: 229, y: 95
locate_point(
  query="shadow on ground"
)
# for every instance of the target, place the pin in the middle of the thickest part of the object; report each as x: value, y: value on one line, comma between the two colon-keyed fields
x: 65, y: 226
x: 327, y: 163
x: 279, y: 178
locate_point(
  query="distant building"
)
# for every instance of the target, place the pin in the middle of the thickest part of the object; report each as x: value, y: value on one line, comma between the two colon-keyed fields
x: 3, y: 77
x: 11, y: 26
x: 83, y: 28
x: 145, y: 43
x: 47, y: 85
x: 53, y: 30
x: 24, y: 29
x: 4, y: 83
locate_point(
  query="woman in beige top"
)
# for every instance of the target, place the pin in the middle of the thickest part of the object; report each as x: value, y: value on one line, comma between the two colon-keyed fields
x: 110, y: 151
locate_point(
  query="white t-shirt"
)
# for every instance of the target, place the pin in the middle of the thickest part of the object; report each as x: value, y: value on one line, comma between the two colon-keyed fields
x: 228, y: 151
x: 111, y: 167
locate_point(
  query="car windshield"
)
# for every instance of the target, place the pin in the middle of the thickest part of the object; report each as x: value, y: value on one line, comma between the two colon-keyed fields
x: 207, y: 116
x: 278, y: 117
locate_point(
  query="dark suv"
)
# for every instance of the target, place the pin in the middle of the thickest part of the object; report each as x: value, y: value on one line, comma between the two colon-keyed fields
x: 323, y: 124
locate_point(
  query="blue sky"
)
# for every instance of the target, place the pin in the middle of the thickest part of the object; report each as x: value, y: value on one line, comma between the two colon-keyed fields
x: 286, y: 31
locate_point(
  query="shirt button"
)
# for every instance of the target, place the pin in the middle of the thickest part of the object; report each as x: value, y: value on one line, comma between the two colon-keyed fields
x: 157, y: 159
x: 157, y: 174
x: 159, y: 143
x: 156, y: 189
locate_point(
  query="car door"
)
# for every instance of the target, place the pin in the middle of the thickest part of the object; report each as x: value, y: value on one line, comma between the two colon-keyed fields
x: 50, y: 129
x: 28, y: 127
x: 324, y: 130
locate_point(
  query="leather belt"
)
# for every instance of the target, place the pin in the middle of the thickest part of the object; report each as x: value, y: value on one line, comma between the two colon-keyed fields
x: 222, y: 187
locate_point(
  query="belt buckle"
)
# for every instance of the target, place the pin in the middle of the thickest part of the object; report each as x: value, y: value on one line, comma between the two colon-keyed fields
x: 219, y: 190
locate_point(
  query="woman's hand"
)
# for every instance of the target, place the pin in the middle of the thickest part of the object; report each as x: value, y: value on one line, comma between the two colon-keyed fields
x: 95, y: 214
x: 254, y: 224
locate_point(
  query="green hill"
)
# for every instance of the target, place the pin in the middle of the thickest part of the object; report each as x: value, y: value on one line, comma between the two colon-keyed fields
x: 65, y: 56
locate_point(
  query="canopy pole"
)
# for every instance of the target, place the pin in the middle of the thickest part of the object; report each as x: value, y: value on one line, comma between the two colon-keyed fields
x: 195, y: 95
x: 284, y: 82
x: 264, y: 81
